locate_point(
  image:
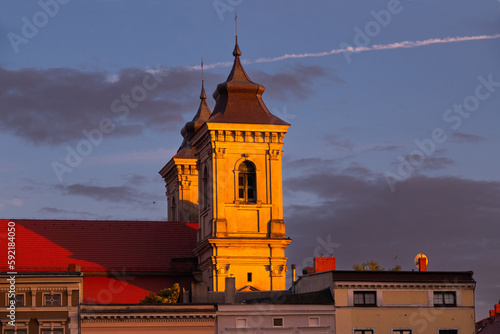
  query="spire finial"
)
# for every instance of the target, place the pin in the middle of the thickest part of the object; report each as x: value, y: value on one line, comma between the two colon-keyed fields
x: 236, y: 51
x: 201, y: 68
x: 236, y: 22
x: 203, y: 96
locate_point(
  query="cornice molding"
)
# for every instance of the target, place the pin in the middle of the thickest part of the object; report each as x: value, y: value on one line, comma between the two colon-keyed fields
x: 403, y: 286
x: 99, y: 318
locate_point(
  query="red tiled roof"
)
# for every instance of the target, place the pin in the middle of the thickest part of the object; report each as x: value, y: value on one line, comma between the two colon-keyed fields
x: 127, y: 290
x: 489, y: 325
x: 51, y: 245
x: 131, y: 258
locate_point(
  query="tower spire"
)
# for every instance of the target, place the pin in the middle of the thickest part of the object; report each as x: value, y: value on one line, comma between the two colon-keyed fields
x: 203, y: 96
x: 236, y: 51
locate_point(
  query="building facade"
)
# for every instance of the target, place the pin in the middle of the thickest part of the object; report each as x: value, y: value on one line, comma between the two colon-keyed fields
x: 123, y: 319
x: 44, y: 302
x: 370, y: 302
x: 237, y: 150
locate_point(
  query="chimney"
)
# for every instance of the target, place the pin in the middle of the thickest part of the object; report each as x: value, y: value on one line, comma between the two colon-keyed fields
x: 307, y: 270
x: 199, y: 292
x: 324, y: 263
x: 492, y: 313
x: 73, y: 267
x: 497, y: 308
x: 422, y: 264
x: 294, y: 266
x: 230, y: 290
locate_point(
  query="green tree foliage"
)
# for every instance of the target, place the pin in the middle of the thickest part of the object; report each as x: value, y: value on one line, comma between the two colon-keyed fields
x: 396, y: 268
x: 372, y: 266
x: 165, y: 296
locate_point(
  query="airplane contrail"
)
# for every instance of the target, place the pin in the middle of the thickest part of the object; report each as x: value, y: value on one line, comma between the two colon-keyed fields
x: 377, y: 47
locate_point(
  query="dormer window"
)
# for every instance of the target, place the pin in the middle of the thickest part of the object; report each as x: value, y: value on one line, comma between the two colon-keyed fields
x: 247, y: 182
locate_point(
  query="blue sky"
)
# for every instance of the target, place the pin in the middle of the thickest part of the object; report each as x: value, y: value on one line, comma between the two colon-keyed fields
x: 392, y: 151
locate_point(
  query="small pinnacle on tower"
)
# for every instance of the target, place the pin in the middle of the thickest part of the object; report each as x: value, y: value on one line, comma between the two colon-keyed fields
x: 203, y: 96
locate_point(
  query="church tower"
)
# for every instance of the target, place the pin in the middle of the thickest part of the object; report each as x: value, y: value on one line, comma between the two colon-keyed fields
x: 239, y: 156
x: 181, y: 174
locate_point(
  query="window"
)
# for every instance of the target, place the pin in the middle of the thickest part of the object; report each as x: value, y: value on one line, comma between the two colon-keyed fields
x: 246, y: 182
x: 52, y: 300
x: 401, y: 331
x: 365, y: 298
x: 19, y: 331
x: 448, y: 331
x: 363, y: 331
x: 241, y: 323
x: 278, y: 322
x: 20, y: 300
x: 445, y: 298
x: 52, y: 331
x: 249, y: 277
x: 313, y: 322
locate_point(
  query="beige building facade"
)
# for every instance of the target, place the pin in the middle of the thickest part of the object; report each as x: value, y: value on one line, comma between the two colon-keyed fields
x: 275, y: 318
x: 45, y: 303
x: 133, y: 319
x: 398, y: 302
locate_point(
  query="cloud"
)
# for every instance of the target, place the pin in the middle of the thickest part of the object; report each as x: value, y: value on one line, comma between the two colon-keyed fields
x: 384, y: 148
x: 454, y: 221
x: 391, y: 46
x: 138, y: 180
x: 55, y: 211
x: 356, y: 169
x: 295, y: 81
x: 435, y: 163
x: 16, y: 202
x: 338, y: 144
x: 311, y: 165
x: 54, y: 106
x: 118, y: 194
x: 157, y: 156
x: 467, y: 138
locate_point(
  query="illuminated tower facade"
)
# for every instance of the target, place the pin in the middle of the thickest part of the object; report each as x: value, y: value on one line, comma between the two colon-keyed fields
x: 239, y: 159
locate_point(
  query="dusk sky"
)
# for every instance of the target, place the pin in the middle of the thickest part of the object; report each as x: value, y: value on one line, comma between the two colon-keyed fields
x: 393, y: 148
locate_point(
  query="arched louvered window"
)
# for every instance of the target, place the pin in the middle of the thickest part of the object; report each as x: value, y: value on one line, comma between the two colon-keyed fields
x: 247, y: 191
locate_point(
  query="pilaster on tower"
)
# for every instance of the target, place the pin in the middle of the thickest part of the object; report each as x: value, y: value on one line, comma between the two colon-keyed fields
x: 239, y: 151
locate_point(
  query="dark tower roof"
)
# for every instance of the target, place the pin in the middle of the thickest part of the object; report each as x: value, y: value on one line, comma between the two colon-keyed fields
x: 239, y: 100
x: 188, y: 131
